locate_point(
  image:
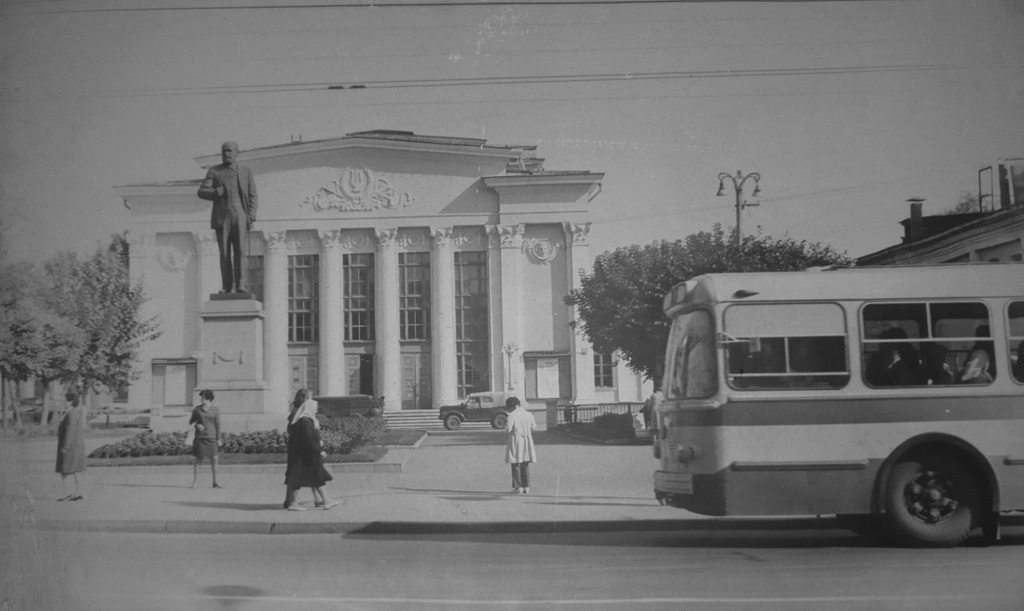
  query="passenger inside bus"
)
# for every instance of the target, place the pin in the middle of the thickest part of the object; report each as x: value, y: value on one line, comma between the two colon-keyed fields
x: 938, y: 370
x: 980, y: 366
x: 895, y: 363
x: 1018, y: 366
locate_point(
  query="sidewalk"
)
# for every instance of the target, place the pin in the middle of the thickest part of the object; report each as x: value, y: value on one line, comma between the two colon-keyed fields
x: 453, y: 482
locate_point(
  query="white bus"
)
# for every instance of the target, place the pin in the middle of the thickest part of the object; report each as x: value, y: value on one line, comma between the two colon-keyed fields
x: 895, y: 393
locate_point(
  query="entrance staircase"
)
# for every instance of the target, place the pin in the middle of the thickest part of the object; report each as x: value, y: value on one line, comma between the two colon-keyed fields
x: 424, y: 419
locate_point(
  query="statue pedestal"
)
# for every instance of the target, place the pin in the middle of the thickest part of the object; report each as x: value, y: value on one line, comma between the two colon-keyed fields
x: 232, y: 354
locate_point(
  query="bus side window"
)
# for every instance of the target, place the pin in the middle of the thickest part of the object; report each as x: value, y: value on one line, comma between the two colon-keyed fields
x: 933, y: 344
x: 1015, y: 339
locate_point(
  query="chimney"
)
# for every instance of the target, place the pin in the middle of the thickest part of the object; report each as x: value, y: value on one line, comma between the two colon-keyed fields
x: 915, y: 227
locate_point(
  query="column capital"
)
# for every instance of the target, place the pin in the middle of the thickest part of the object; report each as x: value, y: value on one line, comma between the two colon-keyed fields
x: 442, y: 237
x: 579, y: 232
x: 205, y: 242
x: 330, y: 240
x: 277, y: 241
x: 387, y: 239
x: 493, y: 236
x: 141, y: 244
x: 511, y: 235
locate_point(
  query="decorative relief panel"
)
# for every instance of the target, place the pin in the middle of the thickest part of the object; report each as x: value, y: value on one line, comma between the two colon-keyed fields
x: 174, y: 259
x: 411, y: 239
x: 468, y: 237
x: 358, y: 190
x: 542, y: 250
x: 302, y: 242
x: 351, y: 241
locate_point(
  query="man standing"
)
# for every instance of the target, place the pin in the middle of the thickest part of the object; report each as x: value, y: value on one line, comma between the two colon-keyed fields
x: 232, y: 189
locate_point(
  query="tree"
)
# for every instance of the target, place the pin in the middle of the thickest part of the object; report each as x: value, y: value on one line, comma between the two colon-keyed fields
x: 34, y: 342
x: 98, y: 295
x: 618, y: 304
x: 966, y: 203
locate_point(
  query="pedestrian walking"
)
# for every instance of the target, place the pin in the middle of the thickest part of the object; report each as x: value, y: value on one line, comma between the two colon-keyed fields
x: 305, y: 455
x: 71, y: 446
x: 206, y: 419
x: 519, y: 448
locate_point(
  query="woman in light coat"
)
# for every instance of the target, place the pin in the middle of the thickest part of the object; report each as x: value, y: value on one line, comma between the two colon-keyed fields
x: 519, y: 449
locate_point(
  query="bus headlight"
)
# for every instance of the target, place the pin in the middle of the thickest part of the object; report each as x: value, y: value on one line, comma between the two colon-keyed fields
x: 686, y: 454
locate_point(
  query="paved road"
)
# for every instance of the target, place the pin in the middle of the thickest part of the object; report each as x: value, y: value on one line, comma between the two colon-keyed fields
x: 773, y: 571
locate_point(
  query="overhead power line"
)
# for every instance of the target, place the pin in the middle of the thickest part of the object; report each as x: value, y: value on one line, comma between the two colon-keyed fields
x: 520, y: 80
x: 373, y: 4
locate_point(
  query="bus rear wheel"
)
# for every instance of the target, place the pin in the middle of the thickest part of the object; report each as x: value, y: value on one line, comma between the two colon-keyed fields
x: 932, y: 502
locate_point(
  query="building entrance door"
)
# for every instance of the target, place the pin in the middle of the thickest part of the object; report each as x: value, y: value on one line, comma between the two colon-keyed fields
x: 305, y: 373
x: 416, y: 388
x: 359, y: 368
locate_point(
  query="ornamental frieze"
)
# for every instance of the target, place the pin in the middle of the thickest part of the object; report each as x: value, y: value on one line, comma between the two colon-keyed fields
x: 467, y: 237
x: 358, y: 190
x: 411, y: 240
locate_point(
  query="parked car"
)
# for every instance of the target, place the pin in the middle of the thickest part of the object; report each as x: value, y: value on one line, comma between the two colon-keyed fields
x: 478, y: 407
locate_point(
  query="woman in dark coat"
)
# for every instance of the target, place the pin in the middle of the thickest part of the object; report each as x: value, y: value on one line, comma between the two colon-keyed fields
x: 305, y: 455
x: 206, y: 419
x: 71, y: 446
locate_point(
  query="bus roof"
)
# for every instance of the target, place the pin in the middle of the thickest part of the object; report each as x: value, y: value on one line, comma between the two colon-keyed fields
x: 977, y: 280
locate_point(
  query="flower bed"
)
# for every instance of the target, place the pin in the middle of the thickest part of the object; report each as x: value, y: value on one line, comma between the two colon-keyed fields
x: 338, y: 436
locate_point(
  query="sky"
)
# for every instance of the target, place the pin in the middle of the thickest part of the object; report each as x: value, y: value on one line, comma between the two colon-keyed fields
x: 845, y: 109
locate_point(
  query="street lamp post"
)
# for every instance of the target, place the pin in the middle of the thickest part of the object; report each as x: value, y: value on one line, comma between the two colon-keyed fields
x: 737, y: 185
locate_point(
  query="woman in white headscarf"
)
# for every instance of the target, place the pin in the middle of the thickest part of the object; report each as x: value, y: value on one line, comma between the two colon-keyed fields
x: 305, y: 455
x: 519, y: 449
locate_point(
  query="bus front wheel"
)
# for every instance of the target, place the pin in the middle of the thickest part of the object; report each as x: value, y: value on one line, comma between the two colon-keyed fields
x: 932, y: 502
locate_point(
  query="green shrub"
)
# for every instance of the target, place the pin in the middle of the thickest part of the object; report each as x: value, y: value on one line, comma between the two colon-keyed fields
x: 338, y: 436
x: 616, y: 422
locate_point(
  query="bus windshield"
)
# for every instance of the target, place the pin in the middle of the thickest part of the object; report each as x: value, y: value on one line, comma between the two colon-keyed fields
x: 690, y: 355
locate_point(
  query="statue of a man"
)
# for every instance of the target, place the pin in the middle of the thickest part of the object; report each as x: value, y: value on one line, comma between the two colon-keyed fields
x: 232, y: 189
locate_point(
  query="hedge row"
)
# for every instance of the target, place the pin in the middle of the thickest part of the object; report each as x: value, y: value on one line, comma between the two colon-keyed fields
x: 338, y: 436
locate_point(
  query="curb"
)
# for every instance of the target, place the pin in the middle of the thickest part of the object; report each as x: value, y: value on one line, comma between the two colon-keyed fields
x: 185, y: 527
x: 682, y: 526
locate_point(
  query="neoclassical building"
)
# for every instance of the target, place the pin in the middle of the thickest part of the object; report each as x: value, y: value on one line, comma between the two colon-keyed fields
x: 995, y: 233
x: 416, y: 268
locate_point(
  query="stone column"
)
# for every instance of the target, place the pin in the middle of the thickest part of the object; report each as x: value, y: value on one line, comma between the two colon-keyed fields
x: 332, y: 347
x: 511, y: 348
x: 275, y: 331
x: 388, y: 347
x: 141, y: 254
x: 442, y: 318
x: 498, y: 368
x: 208, y: 265
x: 578, y: 257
